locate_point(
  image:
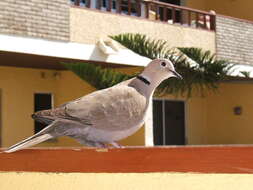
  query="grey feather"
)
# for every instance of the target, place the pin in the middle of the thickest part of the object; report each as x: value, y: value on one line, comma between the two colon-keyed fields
x: 28, y: 142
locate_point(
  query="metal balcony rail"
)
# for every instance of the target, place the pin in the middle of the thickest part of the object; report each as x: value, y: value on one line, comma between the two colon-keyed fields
x: 154, y: 10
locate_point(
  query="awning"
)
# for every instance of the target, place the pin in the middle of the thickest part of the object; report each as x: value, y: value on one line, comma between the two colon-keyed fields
x: 239, y: 69
x: 65, y: 51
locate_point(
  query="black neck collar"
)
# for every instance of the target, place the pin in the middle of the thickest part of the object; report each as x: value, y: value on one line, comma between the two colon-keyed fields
x: 141, y: 78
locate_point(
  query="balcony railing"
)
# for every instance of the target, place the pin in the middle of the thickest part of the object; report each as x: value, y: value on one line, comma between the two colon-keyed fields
x: 154, y: 10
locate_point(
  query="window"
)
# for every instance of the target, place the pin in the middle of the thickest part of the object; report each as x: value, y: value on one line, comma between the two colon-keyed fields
x: 168, y: 122
x: 81, y: 2
x: 105, y: 5
x: 133, y: 9
x: 122, y: 4
x: 169, y: 11
x: 42, y: 101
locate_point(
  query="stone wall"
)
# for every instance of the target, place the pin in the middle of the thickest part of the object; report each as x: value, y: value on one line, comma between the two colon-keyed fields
x: 48, y: 19
x: 234, y: 40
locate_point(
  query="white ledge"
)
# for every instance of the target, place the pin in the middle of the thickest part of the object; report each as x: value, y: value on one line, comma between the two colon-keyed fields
x: 69, y: 50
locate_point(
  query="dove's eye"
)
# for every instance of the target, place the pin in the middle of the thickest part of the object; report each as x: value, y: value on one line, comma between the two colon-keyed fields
x: 163, y: 64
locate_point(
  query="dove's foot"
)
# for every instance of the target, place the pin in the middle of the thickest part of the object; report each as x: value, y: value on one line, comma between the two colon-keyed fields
x: 101, y: 145
x: 95, y: 144
x: 116, y: 145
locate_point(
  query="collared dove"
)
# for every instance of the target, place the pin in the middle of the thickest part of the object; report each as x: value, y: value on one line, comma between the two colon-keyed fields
x: 105, y: 116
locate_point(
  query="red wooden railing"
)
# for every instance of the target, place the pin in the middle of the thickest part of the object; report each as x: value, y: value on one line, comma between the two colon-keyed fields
x: 181, y: 15
x: 204, y: 159
x: 154, y: 10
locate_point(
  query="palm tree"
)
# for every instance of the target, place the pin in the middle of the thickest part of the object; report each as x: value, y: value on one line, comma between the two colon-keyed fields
x: 200, y: 69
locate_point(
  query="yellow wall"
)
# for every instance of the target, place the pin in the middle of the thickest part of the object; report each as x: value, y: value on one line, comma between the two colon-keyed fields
x: 223, y: 127
x: 105, y: 181
x: 18, y: 86
x: 235, y: 8
x: 104, y: 24
x: 196, y: 4
x: 196, y: 131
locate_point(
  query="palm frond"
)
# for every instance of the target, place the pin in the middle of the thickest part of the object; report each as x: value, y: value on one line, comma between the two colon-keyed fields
x: 246, y: 74
x: 97, y: 76
x: 143, y: 45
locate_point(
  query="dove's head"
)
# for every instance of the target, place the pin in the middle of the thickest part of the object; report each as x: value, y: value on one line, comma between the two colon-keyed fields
x: 160, y: 69
x: 157, y: 71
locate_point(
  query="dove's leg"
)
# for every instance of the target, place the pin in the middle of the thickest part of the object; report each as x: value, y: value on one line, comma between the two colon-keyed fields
x: 85, y: 142
x: 116, y: 145
x: 96, y: 144
x: 101, y: 145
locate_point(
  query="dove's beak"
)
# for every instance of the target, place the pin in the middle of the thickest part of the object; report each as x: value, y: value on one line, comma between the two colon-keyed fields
x: 177, y: 75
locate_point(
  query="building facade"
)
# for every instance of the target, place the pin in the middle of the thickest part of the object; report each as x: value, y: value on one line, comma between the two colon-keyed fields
x: 37, y: 35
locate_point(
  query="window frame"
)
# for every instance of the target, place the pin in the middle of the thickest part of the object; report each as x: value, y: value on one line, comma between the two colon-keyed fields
x: 52, y: 102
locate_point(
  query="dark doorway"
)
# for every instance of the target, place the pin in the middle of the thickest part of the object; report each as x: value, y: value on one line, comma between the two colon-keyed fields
x: 174, y: 2
x: 106, y: 4
x: 124, y: 7
x: 42, y: 101
x: 169, y: 11
x: 168, y: 122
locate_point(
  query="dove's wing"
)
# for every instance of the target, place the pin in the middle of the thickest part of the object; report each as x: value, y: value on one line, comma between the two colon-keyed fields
x: 114, y: 108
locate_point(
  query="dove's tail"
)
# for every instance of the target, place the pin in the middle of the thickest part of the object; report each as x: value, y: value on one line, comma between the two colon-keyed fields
x: 33, y: 140
x: 41, y: 136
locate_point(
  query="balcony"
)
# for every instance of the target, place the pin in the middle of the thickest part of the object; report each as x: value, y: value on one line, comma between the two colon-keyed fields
x: 153, y: 10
